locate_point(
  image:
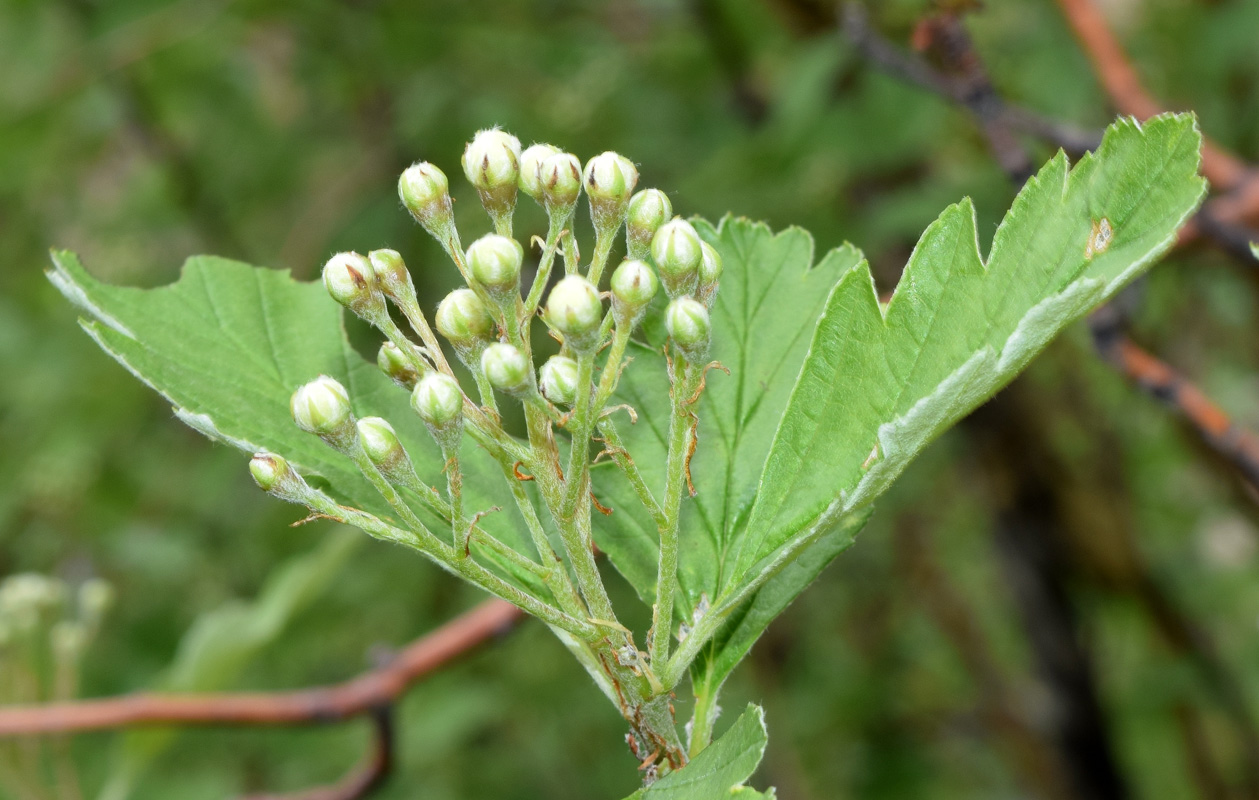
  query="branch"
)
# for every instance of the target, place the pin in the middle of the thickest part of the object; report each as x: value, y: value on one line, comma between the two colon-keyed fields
x: 370, y: 775
x: 365, y: 694
x: 1121, y: 82
x: 1236, y: 444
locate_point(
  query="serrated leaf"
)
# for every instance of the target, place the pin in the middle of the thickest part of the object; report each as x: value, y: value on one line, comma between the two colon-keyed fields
x: 228, y: 343
x: 880, y: 382
x: 721, y: 768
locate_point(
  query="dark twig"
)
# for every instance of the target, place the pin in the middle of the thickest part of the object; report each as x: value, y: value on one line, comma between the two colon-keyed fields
x: 364, y: 694
x: 365, y: 778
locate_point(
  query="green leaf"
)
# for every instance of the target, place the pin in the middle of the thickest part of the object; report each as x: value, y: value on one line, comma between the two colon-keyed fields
x: 721, y: 768
x: 222, y: 642
x: 880, y: 382
x: 229, y: 343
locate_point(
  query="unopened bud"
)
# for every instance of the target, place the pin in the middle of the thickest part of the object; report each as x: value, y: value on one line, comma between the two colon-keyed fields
x: 275, y: 476
x: 492, y: 163
x: 400, y: 367
x: 322, y: 407
x: 96, y: 596
x: 574, y: 309
x: 709, y: 274
x: 507, y: 369
x: 439, y: 402
x: 558, y: 380
x: 465, y: 321
x: 648, y: 210
x: 351, y: 280
x: 689, y: 326
x: 633, y: 286
x: 531, y: 168
x: 609, y: 180
x: 560, y: 182
x: 677, y: 252
x: 494, y: 262
x: 380, y: 443
x: 426, y: 194
x: 393, y: 276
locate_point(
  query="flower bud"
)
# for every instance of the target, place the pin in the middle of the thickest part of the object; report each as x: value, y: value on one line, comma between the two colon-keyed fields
x: 96, y: 596
x: 426, y: 194
x: 531, y: 168
x: 392, y: 275
x: 689, y: 326
x: 400, y: 367
x: 558, y: 380
x: 322, y: 407
x: 560, y: 182
x: 648, y: 210
x: 677, y: 252
x: 574, y: 309
x: 492, y: 163
x: 380, y: 443
x: 609, y: 180
x: 507, y: 369
x: 351, y: 281
x: 276, y: 476
x: 465, y: 321
x: 494, y: 262
x: 439, y: 402
x: 633, y: 286
x: 709, y: 274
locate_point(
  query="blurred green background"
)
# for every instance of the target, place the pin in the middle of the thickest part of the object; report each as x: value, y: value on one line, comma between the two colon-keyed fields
x: 1065, y: 586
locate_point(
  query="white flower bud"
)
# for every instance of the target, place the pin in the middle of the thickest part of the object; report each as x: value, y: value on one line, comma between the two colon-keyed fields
x: 633, y: 286
x: 507, y: 369
x: 560, y: 182
x: 426, y: 194
x: 439, y: 402
x: 677, y: 252
x: 351, y: 281
x: 574, y: 309
x: 531, y: 168
x: 648, y: 210
x: 275, y: 476
x: 492, y: 164
x: 392, y: 275
x: 322, y: 407
x: 558, y: 380
x: 494, y: 262
x: 689, y: 326
x: 465, y: 321
x: 380, y: 443
x: 609, y: 180
x: 709, y: 274
x: 400, y: 368
x: 96, y: 596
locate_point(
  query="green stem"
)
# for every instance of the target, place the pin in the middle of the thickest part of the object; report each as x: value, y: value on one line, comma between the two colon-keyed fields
x: 704, y: 716
x: 460, y: 529
x: 604, y: 240
x: 415, y: 317
x: 681, y: 382
x: 623, y: 460
x: 544, y: 266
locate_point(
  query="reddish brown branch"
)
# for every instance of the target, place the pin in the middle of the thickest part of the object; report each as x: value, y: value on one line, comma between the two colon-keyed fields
x: 1236, y: 444
x: 1122, y: 83
x: 364, y: 694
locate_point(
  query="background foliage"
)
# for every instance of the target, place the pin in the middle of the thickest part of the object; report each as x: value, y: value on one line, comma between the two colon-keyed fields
x: 138, y: 132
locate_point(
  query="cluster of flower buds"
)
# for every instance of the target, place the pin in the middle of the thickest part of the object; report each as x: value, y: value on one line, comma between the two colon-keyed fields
x: 45, y: 624
x: 486, y: 323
